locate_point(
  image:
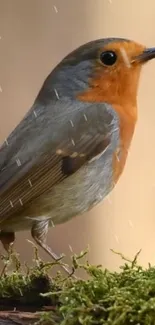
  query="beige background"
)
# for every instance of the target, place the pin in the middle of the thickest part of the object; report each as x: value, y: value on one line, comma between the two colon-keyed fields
x: 35, y: 35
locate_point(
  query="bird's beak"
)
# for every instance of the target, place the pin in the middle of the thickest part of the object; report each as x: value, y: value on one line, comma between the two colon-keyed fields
x: 146, y: 55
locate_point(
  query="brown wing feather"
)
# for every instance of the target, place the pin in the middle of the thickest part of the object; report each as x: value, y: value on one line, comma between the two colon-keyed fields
x: 51, y: 169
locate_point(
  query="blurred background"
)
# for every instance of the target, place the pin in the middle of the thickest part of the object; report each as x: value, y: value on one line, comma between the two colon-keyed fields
x: 34, y: 37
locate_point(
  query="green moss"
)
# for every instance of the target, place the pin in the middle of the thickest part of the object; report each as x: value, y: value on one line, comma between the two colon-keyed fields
x: 111, y: 298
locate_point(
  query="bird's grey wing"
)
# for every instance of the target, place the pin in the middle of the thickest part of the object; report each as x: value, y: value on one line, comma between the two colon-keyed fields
x: 52, y: 142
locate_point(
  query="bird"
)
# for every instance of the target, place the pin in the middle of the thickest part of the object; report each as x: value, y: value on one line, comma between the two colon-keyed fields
x: 70, y: 149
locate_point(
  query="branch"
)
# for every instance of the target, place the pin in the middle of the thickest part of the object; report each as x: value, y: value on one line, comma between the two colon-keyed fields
x: 18, y: 317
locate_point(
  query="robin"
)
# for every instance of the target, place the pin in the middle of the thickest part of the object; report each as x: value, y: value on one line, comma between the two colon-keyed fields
x: 70, y: 149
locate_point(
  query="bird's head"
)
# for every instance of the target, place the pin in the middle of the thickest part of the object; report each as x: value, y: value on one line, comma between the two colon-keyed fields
x: 104, y: 70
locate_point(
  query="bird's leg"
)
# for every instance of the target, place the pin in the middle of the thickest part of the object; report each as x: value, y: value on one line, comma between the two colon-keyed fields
x: 7, y: 239
x: 39, y: 232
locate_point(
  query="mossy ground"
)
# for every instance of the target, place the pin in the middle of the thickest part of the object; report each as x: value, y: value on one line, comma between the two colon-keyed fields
x: 111, y: 298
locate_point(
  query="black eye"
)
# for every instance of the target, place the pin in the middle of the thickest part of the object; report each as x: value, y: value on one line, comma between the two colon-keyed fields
x: 108, y: 57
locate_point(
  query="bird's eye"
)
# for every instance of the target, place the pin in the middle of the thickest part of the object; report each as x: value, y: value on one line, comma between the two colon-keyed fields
x: 108, y: 57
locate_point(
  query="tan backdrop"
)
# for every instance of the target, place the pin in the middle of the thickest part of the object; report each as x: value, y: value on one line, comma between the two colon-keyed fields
x: 35, y: 35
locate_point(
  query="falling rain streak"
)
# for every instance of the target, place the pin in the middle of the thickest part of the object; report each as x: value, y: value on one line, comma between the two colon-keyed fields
x: 57, y: 95
x: 55, y: 8
x: 125, y: 57
x: 18, y: 162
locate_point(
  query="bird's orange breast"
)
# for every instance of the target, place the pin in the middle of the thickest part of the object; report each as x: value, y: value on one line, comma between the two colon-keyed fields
x: 120, y: 91
x: 127, y: 127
